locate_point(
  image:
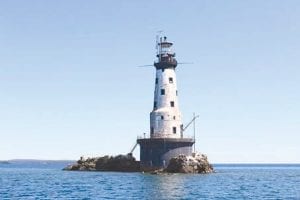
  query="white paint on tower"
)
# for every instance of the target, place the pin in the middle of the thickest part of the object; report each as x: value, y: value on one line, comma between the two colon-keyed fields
x: 165, y: 119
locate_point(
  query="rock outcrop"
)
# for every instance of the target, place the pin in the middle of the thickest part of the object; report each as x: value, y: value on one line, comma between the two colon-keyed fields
x: 120, y: 163
x: 197, y: 163
x: 83, y: 164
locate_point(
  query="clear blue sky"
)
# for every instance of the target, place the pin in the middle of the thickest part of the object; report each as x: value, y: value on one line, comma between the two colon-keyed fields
x: 69, y: 85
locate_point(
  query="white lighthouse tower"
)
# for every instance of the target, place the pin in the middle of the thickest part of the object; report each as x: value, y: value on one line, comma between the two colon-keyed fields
x: 165, y: 119
x: 166, y: 130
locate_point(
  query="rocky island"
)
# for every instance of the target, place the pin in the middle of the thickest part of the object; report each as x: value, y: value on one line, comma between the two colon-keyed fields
x: 167, y: 150
x: 197, y: 163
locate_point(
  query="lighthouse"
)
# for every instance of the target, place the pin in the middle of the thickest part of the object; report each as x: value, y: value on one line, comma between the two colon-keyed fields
x: 166, y: 129
x: 165, y: 119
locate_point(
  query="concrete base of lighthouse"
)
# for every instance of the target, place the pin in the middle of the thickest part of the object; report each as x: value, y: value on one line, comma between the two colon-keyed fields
x: 155, y: 153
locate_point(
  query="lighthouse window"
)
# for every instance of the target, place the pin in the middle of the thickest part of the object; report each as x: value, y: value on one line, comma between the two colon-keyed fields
x: 156, y: 80
x: 174, y: 117
x: 155, y: 104
x: 170, y: 80
x: 162, y: 91
x: 176, y: 93
x: 174, y: 130
x: 172, y: 103
x: 152, y: 130
x: 162, y: 117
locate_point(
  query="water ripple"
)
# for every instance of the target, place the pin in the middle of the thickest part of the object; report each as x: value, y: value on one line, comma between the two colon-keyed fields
x: 228, y: 183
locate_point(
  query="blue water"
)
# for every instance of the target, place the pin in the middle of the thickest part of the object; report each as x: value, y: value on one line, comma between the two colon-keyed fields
x: 48, y: 181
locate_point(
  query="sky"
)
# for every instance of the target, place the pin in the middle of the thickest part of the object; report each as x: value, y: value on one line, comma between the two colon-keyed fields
x: 70, y: 85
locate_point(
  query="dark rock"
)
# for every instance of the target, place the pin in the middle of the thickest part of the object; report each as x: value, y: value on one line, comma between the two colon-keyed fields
x: 124, y: 163
x: 121, y: 163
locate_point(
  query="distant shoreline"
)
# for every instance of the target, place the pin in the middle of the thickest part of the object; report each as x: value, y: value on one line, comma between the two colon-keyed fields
x: 4, y: 162
x: 35, y: 160
x: 11, y: 161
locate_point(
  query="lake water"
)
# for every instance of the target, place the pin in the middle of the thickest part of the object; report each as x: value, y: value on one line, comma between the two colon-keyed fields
x: 48, y: 181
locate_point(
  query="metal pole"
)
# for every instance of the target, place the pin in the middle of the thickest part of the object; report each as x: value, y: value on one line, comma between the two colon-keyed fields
x: 194, y: 125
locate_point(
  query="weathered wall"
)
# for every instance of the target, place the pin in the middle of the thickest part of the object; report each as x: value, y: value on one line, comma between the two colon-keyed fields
x: 164, y: 117
x: 156, y: 153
